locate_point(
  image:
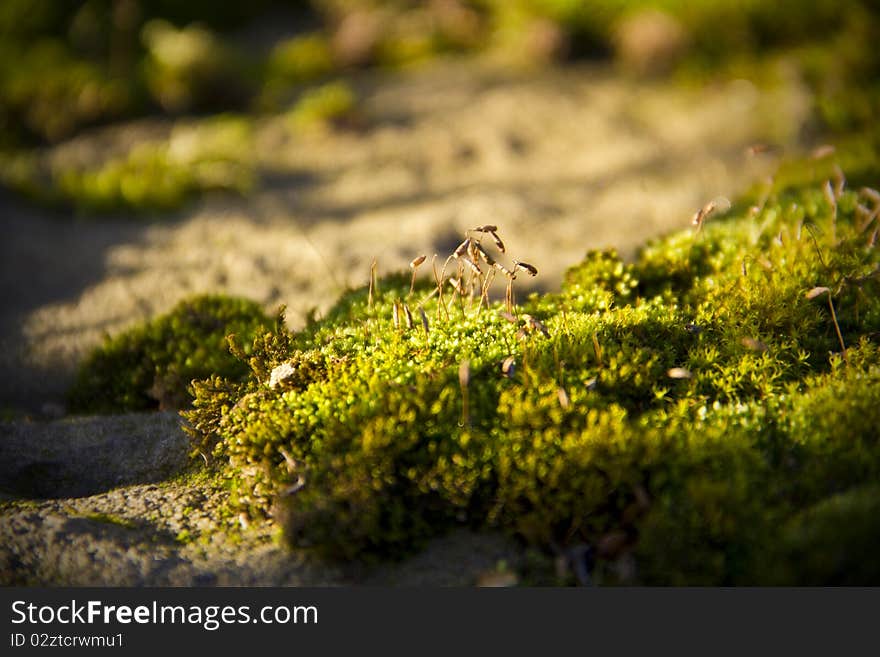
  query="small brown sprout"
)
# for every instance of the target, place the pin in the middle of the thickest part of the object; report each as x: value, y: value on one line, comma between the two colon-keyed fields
x: 753, y: 344
x: 761, y: 148
x: 764, y: 262
x: 563, y: 397
x: 414, y: 265
x: 719, y: 204
x: 829, y: 194
x: 678, y: 373
x: 408, y: 315
x: 462, y: 248
x: 823, y: 151
x: 424, y: 320
x: 873, y: 239
x: 508, y: 367
x: 532, y: 271
x: 816, y: 291
x: 510, y: 317
x: 872, y: 194
x: 395, y: 315
x: 819, y: 291
x: 839, y: 181
x: 372, y: 283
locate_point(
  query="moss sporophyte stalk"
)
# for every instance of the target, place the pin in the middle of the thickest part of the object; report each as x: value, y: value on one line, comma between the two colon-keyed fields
x: 700, y: 415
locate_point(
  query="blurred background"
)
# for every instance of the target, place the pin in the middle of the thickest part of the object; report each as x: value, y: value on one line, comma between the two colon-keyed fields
x: 152, y: 149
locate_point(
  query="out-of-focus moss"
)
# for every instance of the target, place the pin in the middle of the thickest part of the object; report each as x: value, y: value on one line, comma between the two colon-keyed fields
x: 213, y: 154
x: 323, y: 107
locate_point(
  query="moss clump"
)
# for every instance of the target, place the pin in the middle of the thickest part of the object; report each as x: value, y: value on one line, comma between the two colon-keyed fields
x: 213, y: 154
x: 674, y: 418
x: 151, y: 366
x: 322, y: 107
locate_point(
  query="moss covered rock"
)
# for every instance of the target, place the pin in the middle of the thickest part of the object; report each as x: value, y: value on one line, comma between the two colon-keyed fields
x: 677, y: 420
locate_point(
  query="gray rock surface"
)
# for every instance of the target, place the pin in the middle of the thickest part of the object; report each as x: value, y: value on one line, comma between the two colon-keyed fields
x: 80, y: 456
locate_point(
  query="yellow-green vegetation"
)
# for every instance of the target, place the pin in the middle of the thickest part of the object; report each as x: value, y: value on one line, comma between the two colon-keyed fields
x: 706, y: 414
x: 104, y: 61
x: 110, y: 519
x: 152, y: 365
x: 323, y: 107
x: 213, y: 154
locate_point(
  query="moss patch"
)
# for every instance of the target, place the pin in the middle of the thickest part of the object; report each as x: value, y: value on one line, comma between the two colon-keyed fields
x: 151, y: 366
x: 669, y: 420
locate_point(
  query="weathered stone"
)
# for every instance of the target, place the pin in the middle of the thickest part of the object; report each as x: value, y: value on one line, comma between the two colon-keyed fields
x: 82, y: 456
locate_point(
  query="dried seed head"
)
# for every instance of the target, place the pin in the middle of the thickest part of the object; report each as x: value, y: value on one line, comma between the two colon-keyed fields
x: 816, y: 291
x: 408, y: 315
x: 822, y: 151
x: 563, y: 397
x: 532, y: 271
x: 508, y: 367
x: 766, y: 264
x: 717, y: 204
x: 488, y: 228
x: 829, y: 194
x: 462, y: 248
x: 417, y: 261
x: 498, y: 243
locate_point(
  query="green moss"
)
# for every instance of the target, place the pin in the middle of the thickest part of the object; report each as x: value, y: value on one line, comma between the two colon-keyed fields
x: 680, y: 413
x: 322, y: 107
x: 152, y: 365
x: 110, y: 519
x: 212, y: 154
